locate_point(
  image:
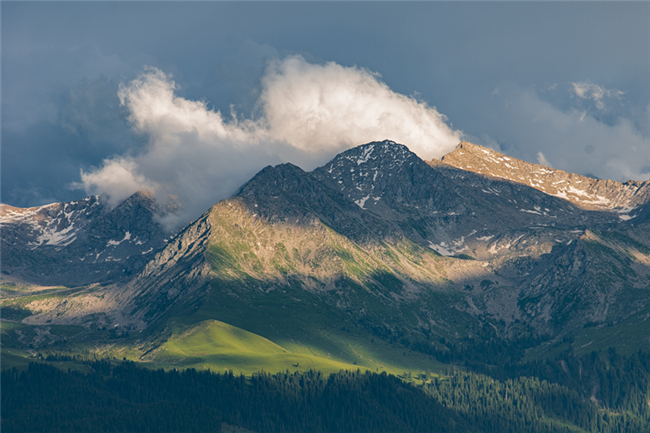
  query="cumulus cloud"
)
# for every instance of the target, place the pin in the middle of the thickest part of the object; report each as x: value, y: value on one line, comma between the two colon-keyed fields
x: 117, y: 179
x: 305, y: 114
x: 588, y: 90
x: 326, y: 107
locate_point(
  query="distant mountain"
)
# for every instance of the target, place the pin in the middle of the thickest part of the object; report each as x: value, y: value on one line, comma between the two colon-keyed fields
x: 585, y: 192
x: 79, y: 242
x: 378, y: 245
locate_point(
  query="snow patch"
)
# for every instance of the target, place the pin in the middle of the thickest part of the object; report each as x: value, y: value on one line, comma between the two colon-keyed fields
x: 366, y: 154
x: 361, y: 202
x: 51, y: 236
x: 110, y: 243
x: 491, y: 191
x: 530, y: 211
x: 454, y: 247
x: 440, y: 249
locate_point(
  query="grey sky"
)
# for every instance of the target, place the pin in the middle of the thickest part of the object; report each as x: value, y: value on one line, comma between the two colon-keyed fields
x: 568, y: 80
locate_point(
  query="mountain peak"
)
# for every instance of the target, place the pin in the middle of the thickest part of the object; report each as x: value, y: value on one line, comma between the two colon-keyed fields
x: 376, y: 150
x: 375, y: 156
x: 467, y: 153
x: 585, y: 192
x: 362, y: 172
x: 79, y: 242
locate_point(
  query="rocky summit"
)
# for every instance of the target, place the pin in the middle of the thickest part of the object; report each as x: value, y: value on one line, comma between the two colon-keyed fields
x: 374, y: 254
x: 80, y: 242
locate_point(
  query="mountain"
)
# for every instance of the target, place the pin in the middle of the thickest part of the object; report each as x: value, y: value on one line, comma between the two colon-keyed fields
x: 79, y: 242
x: 372, y: 256
x: 588, y: 193
x: 534, y: 281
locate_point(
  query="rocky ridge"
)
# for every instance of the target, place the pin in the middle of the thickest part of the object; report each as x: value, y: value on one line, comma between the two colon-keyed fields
x: 380, y: 241
x: 79, y: 242
x: 587, y: 193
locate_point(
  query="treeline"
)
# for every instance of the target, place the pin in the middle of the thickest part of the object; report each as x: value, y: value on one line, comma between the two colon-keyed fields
x: 529, y: 405
x: 615, y: 381
x: 125, y: 398
x: 599, y: 392
x: 602, y: 392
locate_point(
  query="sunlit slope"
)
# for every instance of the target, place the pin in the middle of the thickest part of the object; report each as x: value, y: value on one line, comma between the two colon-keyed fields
x: 373, y: 258
x: 314, y: 292
x: 218, y: 346
x: 299, y: 264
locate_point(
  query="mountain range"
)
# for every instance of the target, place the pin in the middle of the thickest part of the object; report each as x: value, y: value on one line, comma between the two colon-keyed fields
x: 378, y: 259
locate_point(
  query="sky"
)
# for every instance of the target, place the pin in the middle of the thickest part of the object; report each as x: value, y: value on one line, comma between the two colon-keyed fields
x: 190, y: 99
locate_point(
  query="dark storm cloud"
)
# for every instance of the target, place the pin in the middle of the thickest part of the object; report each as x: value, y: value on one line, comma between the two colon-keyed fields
x: 42, y: 160
x: 503, y: 73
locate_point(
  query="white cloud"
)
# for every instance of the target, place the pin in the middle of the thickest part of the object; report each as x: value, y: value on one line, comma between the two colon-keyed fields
x: 542, y: 160
x: 587, y: 90
x: 117, y: 180
x: 306, y: 114
x: 330, y: 106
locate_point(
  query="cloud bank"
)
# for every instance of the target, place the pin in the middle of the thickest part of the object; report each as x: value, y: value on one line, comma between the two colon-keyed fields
x: 306, y: 113
x: 573, y: 139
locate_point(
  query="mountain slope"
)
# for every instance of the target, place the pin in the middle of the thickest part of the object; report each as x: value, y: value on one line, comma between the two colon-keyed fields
x: 585, y: 192
x: 80, y: 242
x: 377, y: 255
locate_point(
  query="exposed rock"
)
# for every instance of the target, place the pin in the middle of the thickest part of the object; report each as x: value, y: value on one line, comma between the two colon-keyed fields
x: 585, y: 192
x: 79, y: 242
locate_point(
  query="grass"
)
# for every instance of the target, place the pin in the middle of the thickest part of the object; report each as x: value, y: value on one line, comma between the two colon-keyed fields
x: 215, y: 345
x: 310, y: 333
x: 262, y: 312
x: 219, y: 346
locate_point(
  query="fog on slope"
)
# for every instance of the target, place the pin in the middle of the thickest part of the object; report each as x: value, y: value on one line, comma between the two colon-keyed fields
x: 306, y: 114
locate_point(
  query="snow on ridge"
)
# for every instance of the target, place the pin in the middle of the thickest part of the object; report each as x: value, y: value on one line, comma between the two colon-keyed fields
x: 12, y: 214
x: 454, y: 247
x: 51, y: 236
x: 581, y: 190
x: 625, y: 210
x: 127, y: 236
x: 583, y: 196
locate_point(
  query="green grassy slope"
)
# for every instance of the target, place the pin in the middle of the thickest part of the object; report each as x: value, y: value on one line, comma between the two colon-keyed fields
x: 219, y: 346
